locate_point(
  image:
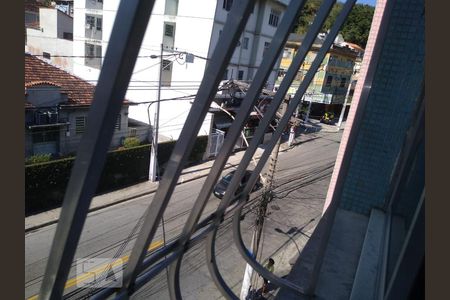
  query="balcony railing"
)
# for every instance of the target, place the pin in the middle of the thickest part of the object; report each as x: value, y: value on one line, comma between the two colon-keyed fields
x: 124, y: 44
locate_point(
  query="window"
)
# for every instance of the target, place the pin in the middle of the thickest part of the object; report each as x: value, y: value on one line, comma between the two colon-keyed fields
x: 90, y: 22
x: 166, y: 76
x: 90, y: 50
x: 167, y: 65
x: 80, y: 124
x: 329, y: 80
x: 68, y: 36
x: 46, y: 55
x: 171, y: 7
x: 169, y: 29
x: 225, y: 75
x: 169, y: 35
x: 117, y: 127
x: 343, y: 80
x: 227, y: 4
x: 274, y: 17
x: 93, y: 55
x: 44, y: 135
x: 100, y: 1
x: 266, y: 46
x: 245, y: 41
x: 240, y: 75
x: 99, y: 24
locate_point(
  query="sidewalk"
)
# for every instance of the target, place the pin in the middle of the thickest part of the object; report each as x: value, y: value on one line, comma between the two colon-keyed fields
x: 192, y: 173
x: 138, y: 190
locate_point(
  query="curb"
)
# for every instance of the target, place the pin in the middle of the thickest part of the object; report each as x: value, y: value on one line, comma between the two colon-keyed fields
x: 153, y: 190
x: 121, y: 200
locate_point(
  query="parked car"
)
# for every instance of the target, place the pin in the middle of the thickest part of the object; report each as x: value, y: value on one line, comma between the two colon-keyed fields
x: 223, y: 183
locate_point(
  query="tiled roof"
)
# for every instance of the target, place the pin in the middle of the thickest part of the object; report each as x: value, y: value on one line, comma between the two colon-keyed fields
x: 355, y: 46
x: 79, y: 92
x: 40, y: 82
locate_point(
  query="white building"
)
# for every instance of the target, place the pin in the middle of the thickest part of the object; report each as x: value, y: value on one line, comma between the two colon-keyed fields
x: 51, y: 37
x: 181, y: 25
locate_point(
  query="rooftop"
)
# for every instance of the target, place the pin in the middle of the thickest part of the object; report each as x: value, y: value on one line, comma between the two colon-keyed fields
x: 38, y: 72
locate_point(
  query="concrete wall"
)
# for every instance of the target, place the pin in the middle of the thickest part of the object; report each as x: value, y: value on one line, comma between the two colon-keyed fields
x: 49, y: 38
x: 65, y: 24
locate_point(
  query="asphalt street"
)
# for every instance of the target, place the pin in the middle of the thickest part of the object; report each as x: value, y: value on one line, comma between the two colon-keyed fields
x: 301, y: 183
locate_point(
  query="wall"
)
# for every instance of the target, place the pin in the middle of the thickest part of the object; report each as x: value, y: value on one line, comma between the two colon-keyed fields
x: 69, y: 144
x: 186, y: 77
x: 386, y: 115
x: 49, y: 38
x: 65, y: 24
x: 258, y: 31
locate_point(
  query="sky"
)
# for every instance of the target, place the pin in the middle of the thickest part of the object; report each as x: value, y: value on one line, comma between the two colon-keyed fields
x: 370, y: 2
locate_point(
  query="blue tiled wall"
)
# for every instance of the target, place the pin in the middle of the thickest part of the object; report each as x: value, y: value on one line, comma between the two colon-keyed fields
x: 392, y: 99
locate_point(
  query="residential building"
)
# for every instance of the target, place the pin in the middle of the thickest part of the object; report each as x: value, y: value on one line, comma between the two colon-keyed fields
x: 49, y: 34
x: 226, y: 106
x: 189, y: 32
x: 329, y: 86
x: 56, y: 111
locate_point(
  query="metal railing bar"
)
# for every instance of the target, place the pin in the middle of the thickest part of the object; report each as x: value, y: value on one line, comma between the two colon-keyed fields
x: 276, y: 135
x: 214, y: 270
x: 126, y: 37
x: 280, y: 282
x: 261, y: 76
x: 169, y: 247
x: 213, y: 74
x: 279, y: 96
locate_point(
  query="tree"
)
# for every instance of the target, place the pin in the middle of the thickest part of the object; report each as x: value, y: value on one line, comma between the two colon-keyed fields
x: 355, y: 29
x: 307, y: 16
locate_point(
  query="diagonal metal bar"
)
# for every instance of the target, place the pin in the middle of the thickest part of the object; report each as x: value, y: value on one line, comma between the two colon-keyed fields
x: 235, y: 130
x: 307, y: 43
x: 278, y: 98
x: 232, y: 30
x: 126, y: 38
x: 276, y: 135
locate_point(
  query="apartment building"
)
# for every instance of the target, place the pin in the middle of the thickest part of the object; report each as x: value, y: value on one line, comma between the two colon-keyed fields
x: 49, y: 34
x: 188, y: 32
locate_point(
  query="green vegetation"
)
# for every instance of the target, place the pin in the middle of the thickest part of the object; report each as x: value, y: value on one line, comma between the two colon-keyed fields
x: 46, y: 182
x: 356, y: 28
x: 38, y: 158
x: 131, y: 142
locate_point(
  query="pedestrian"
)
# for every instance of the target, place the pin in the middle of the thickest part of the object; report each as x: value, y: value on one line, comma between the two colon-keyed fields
x: 270, y: 267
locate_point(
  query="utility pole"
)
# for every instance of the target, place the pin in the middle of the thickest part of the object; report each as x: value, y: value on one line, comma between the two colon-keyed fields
x: 341, y: 116
x: 154, y: 148
x: 267, y: 196
x: 292, y: 130
x: 307, y: 112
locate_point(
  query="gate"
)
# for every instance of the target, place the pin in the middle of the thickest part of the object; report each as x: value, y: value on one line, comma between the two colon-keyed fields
x: 215, y: 142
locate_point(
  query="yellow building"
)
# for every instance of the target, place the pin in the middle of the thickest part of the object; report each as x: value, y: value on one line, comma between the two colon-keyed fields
x: 330, y: 83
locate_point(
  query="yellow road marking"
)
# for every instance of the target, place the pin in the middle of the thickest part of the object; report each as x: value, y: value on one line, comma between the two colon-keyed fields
x: 99, y: 270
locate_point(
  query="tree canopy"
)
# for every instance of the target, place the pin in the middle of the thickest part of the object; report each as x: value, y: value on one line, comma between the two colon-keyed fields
x: 355, y: 29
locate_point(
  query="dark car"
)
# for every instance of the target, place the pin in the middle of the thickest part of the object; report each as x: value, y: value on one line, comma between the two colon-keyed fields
x: 223, y: 183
